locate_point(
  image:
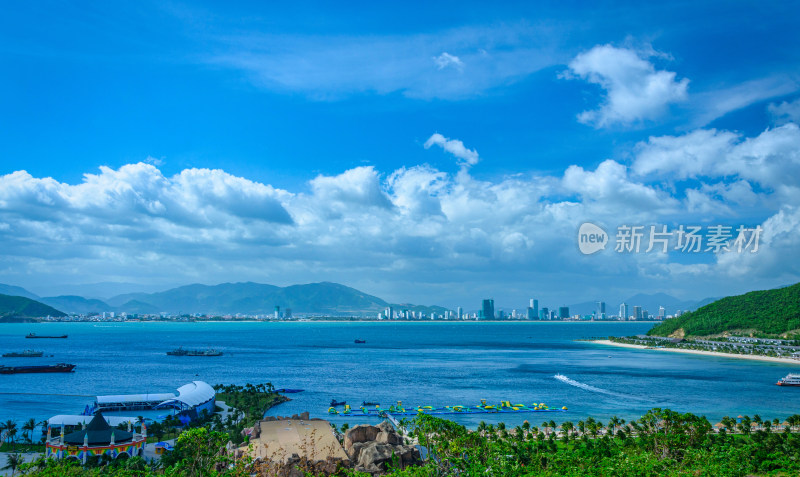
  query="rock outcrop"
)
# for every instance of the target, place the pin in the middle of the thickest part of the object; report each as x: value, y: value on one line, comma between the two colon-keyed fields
x: 375, y: 449
x: 296, y: 466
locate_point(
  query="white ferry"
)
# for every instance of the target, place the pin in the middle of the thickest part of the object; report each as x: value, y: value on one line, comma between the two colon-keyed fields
x: 789, y: 380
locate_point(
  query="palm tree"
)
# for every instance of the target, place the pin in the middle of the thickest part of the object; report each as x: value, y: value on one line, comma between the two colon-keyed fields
x: 28, y: 428
x: 13, y: 462
x: 567, y: 426
x: 613, y: 423
x: 11, y: 431
x: 545, y: 426
x: 757, y: 420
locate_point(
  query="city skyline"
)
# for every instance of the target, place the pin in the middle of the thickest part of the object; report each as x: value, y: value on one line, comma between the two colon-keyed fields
x: 435, y: 157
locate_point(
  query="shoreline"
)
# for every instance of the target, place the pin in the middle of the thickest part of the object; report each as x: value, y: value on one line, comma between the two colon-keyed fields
x: 701, y: 352
x: 331, y: 321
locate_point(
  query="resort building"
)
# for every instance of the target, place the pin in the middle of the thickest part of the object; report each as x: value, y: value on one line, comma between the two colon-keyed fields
x: 94, y: 440
x: 192, y: 399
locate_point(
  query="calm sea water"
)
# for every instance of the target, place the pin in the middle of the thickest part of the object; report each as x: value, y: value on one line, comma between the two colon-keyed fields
x: 418, y: 363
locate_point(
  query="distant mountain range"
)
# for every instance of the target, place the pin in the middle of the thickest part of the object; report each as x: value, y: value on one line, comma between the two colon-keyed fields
x: 229, y: 298
x: 312, y: 298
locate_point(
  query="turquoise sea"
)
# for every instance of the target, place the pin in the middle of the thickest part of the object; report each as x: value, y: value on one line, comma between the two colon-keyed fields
x: 436, y: 363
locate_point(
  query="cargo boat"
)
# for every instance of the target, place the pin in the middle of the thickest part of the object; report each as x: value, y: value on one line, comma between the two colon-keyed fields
x: 28, y: 353
x: 53, y: 368
x: 789, y: 380
x: 34, y: 335
x: 194, y: 352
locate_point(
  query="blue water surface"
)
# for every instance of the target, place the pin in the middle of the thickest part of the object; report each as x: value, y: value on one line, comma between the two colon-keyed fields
x: 418, y: 363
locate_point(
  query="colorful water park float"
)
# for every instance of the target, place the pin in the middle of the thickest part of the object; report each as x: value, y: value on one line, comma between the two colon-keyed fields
x: 482, y: 408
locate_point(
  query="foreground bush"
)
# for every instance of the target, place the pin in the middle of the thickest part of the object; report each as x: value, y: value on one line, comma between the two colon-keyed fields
x: 662, y: 442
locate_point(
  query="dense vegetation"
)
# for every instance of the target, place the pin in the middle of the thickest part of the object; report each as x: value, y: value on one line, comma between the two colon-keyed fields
x: 662, y: 442
x: 770, y: 312
x: 19, y: 306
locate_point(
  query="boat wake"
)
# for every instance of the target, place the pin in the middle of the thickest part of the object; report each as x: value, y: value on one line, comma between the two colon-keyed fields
x: 593, y: 389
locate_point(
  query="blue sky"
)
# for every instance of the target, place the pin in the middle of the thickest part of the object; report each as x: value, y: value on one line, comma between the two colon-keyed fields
x: 169, y: 143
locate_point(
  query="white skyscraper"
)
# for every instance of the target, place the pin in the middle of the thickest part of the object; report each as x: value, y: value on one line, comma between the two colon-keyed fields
x: 623, y: 311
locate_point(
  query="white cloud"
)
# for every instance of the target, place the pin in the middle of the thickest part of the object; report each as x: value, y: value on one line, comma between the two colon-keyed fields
x: 786, y: 111
x: 634, y: 90
x: 609, y: 184
x: 771, y: 159
x: 713, y: 104
x: 358, y: 187
x: 445, y: 232
x: 778, y: 255
x: 446, y: 59
x: 468, y: 157
x: 333, y: 67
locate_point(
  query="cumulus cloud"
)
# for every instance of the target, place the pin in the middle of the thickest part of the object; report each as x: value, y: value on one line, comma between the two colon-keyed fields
x: 609, y: 184
x: 771, y: 159
x: 634, y: 89
x: 467, y: 157
x: 358, y: 187
x: 447, y: 60
x: 438, y: 229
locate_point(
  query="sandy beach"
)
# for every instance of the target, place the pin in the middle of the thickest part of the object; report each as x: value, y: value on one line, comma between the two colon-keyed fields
x: 706, y: 353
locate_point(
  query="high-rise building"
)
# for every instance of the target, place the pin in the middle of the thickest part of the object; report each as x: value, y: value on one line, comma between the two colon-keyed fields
x: 637, y: 312
x: 563, y: 312
x: 544, y: 313
x: 623, y: 311
x: 487, y: 310
x: 661, y: 313
x: 277, y: 312
x: 460, y: 313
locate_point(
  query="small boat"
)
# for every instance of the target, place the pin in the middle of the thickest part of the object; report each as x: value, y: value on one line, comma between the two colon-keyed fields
x: 194, y: 352
x: 53, y: 368
x: 34, y: 335
x: 28, y: 353
x: 360, y: 341
x: 288, y: 391
x: 335, y: 403
x: 369, y: 403
x: 789, y: 380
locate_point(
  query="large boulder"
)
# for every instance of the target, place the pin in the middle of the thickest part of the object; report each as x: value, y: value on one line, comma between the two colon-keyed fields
x: 374, y: 449
x: 360, y: 433
x: 378, y: 458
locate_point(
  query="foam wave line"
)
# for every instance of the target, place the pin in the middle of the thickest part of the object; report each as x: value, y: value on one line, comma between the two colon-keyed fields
x: 593, y: 389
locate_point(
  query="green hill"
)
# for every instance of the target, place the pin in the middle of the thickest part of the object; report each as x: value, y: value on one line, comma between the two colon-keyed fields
x: 21, y: 307
x: 769, y: 311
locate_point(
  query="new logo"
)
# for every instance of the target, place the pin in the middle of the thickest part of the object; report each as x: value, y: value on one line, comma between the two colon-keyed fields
x: 591, y: 238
